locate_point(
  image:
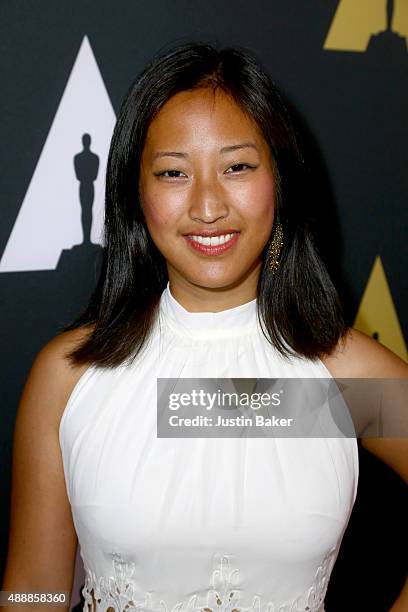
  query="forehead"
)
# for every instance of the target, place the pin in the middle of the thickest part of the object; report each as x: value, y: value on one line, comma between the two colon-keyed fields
x: 202, y: 112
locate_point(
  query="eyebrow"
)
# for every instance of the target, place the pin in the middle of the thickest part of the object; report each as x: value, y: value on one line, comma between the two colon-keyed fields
x: 242, y: 145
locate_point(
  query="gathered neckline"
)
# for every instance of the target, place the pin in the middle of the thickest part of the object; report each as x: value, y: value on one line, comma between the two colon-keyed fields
x: 235, y: 321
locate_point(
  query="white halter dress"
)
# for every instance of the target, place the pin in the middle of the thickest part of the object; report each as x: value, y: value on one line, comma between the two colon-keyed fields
x: 201, y: 524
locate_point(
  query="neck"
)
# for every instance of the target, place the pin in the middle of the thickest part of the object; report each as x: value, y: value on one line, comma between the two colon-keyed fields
x: 212, y: 298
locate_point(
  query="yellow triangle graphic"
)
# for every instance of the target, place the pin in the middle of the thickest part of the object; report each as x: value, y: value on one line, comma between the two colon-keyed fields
x: 355, y: 21
x: 377, y: 316
x: 400, y: 18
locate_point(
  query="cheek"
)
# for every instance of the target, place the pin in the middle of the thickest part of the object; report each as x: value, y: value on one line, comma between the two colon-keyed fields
x: 155, y: 216
x: 259, y: 201
x: 161, y: 212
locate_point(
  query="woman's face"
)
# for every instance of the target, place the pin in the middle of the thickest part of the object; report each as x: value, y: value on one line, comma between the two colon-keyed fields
x: 206, y: 170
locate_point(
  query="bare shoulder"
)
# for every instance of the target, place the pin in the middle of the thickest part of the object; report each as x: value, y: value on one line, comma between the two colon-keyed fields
x: 41, y: 519
x: 52, y: 374
x: 360, y: 356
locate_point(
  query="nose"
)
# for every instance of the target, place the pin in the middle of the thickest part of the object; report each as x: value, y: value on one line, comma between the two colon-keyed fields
x: 208, y: 203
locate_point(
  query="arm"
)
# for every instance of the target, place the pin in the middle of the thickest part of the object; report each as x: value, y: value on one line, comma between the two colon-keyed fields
x: 363, y: 357
x: 42, y: 539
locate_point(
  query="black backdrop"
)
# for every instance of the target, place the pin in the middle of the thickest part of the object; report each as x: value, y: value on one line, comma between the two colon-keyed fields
x: 352, y: 105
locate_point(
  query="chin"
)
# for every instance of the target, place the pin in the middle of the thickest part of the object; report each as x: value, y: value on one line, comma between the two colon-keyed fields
x: 215, y: 282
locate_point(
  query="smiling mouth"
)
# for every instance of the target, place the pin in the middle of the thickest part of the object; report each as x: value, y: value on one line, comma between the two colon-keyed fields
x: 212, y: 245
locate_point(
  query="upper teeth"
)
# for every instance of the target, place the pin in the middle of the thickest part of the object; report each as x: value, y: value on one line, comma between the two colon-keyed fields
x: 213, y: 240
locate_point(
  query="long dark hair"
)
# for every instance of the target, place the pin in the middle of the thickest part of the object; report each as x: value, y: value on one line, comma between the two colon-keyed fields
x: 298, y: 306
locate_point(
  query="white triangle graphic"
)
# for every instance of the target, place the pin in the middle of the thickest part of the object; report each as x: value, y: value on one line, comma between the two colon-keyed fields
x: 49, y: 219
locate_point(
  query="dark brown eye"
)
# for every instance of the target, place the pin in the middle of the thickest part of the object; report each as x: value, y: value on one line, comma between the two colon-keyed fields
x: 240, y: 167
x: 170, y: 173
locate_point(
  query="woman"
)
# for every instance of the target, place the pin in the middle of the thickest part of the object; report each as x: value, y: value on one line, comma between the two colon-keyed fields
x: 205, y: 229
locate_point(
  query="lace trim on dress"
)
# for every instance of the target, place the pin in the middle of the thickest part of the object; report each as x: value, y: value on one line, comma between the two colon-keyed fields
x: 117, y: 593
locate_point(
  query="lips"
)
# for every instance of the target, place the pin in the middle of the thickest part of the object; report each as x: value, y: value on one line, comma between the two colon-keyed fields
x: 209, y: 233
x: 201, y: 243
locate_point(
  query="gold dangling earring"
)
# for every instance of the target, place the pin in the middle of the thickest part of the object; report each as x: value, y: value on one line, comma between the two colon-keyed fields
x: 275, y: 248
